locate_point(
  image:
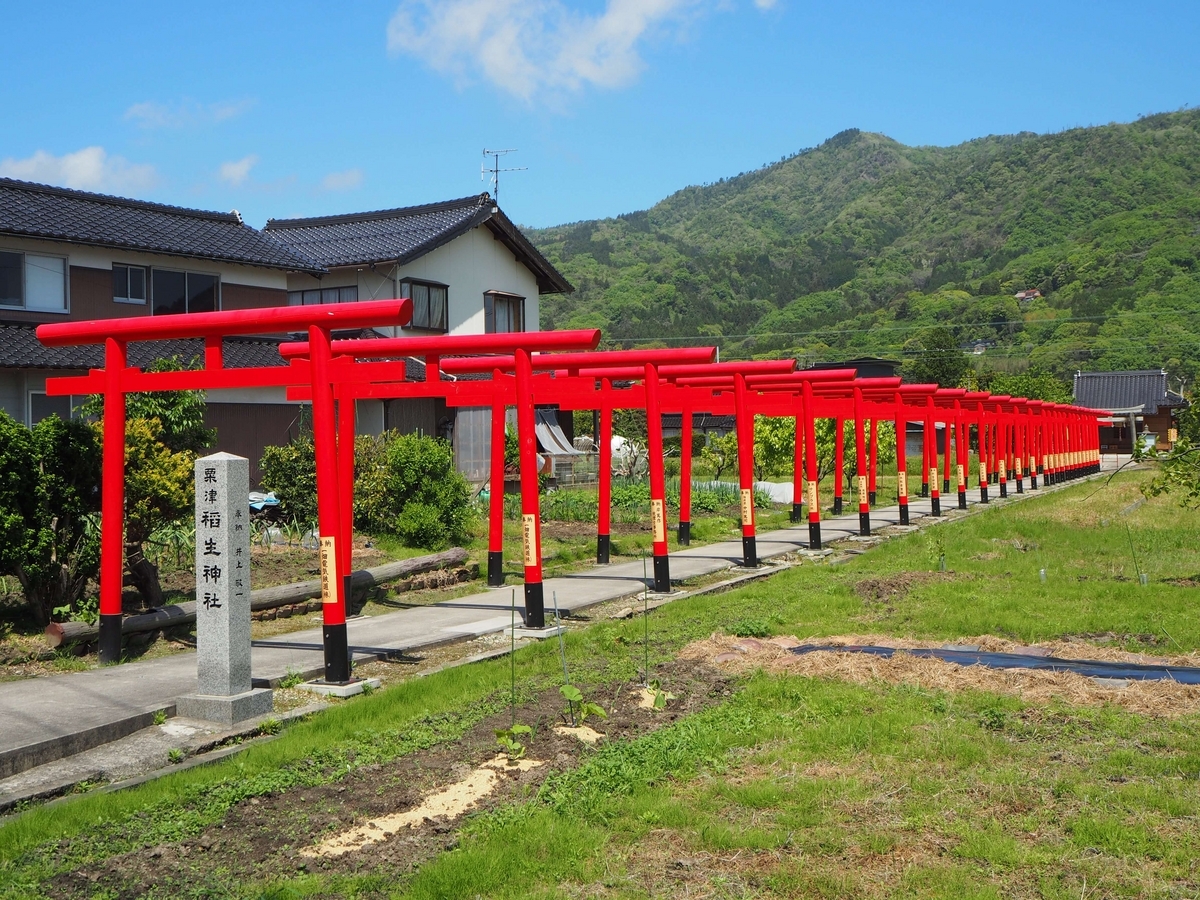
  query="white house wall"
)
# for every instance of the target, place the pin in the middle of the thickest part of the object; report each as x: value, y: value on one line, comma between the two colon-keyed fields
x: 471, y: 265
x: 12, y: 393
x: 104, y: 257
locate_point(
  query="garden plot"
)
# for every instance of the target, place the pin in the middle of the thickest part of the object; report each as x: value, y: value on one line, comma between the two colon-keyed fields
x: 1158, y: 698
x: 391, y: 817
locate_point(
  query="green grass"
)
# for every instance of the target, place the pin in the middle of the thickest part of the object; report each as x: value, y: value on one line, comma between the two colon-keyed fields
x: 792, y: 786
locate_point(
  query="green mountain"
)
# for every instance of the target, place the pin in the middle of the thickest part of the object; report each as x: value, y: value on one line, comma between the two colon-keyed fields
x: 859, y: 245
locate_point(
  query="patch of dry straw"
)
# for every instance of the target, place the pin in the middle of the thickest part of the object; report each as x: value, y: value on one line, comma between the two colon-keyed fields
x: 1157, y: 698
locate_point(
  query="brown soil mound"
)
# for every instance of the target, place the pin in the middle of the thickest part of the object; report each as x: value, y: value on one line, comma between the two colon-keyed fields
x: 1157, y: 698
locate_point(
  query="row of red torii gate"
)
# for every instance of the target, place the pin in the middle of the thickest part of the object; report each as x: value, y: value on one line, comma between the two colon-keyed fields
x: 1017, y: 439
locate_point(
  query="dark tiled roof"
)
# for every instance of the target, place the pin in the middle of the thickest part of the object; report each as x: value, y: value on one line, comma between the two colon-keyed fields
x: 60, y: 214
x: 20, y: 348
x: 865, y: 366
x: 408, y: 233
x: 1146, y: 388
x: 700, y: 421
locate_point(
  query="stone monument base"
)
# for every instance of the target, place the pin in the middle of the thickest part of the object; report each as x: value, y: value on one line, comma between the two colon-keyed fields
x: 537, y: 634
x: 226, y: 710
x: 345, y: 690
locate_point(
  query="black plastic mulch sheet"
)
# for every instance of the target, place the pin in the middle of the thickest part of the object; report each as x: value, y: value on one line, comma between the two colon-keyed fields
x: 1090, y: 668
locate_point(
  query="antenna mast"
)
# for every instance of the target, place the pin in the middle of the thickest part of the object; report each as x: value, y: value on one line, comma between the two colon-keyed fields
x: 495, y: 170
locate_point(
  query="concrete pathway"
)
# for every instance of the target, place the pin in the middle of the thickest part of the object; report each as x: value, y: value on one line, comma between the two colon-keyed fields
x: 45, y: 719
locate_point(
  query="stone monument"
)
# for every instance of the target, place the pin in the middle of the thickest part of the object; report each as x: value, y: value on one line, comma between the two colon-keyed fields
x: 224, y: 693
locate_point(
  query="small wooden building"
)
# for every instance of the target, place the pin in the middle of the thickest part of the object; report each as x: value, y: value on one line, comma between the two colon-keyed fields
x: 1137, y: 402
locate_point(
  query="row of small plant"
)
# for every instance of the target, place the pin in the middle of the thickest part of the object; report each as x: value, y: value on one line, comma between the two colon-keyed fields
x: 631, y: 501
x: 579, y: 709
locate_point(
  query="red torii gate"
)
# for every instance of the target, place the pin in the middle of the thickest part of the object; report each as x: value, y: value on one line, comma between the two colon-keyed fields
x: 1059, y: 439
x: 362, y: 370
x: 117, y: 379
x: 573, y: 387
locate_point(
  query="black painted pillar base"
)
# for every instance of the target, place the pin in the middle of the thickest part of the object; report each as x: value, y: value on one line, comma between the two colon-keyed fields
x: 797, y: 512
x: 495, y: 568
x: 1033, y: 481
x: 936, y: 506
x: 337, y: 654
x: 837, y: 506
x: 983, y: 494
x: 535, y: 605
x: 903, y: 513
x: 924, y: 488
x: 602, y: 548
x: 864, y: 524
x: 814, y: 535
x: 110, y: 639
x: 1004, y: 489
x: 685, y: 534
x: 662, y: 574
x: 871, y: 497
x: 1020, y: 485
x: 962, y: 499
x: 945, y: 485
x: 749, y: 552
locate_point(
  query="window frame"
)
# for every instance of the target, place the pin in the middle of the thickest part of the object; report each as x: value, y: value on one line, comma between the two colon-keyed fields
x: 489, y: 310
x: 24, y: 306
x: 146, y: 285
x: 186, y: 293
x: 405, y: 284
x: 74, y: 402
x: 296, y: 297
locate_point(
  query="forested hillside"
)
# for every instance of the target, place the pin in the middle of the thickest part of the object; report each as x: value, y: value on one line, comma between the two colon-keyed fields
x: 861, y: 244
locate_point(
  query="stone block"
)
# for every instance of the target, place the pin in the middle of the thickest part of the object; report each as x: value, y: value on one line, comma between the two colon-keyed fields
x: 226, y: 710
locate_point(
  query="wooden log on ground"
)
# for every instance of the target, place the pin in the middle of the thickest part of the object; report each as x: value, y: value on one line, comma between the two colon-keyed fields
x: 61, y: 634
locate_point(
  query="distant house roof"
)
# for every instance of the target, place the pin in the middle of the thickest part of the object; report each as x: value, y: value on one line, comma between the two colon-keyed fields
x: 700, y: 422
x: 402, y: 235
x: 20, y: 348
x: 864, y: 366
x: 1145, y: 388
x: 78, y: 217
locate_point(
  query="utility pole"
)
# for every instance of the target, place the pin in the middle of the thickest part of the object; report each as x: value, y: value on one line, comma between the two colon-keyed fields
x: 495, y: 169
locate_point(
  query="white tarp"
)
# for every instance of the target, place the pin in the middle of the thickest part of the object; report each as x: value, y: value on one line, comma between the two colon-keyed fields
x: 550, y: 436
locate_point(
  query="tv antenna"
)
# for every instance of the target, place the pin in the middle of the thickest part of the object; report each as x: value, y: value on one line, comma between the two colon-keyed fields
x: 496, y: 170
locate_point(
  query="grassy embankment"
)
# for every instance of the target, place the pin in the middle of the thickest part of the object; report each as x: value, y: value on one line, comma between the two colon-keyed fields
x: 792, y: 786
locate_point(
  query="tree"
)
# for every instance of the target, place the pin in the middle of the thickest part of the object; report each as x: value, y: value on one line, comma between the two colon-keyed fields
x: 1179, y: 469
x: 429, y: 501
x: 826, y: 434
x: 720, y: 453
x: 1034, y: 387
x: 159, y: 489
x: 164, y: 434
x: 290, y: 472
x: 49, y: 495
x: 937, y: 359
x: 774, y: 446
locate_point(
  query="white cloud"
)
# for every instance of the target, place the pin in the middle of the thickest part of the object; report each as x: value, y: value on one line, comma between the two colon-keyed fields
x: 88, y: 169
x: 531, y: 47
x: 342, y: 181
x: 186, y: 113
x: 237, y: 171
x: 764, y: 4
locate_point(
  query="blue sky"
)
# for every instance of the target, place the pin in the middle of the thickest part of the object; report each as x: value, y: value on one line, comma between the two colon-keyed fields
x: 290, y: 109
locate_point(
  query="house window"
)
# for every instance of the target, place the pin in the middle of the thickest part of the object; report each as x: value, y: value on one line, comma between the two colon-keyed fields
x: 429, y: 304
x: 42, y: 406
x: 323, y: 295
x: 129, y: 284
x: 33, y: 282
x: 183, y: 292
x: 503, y: 312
